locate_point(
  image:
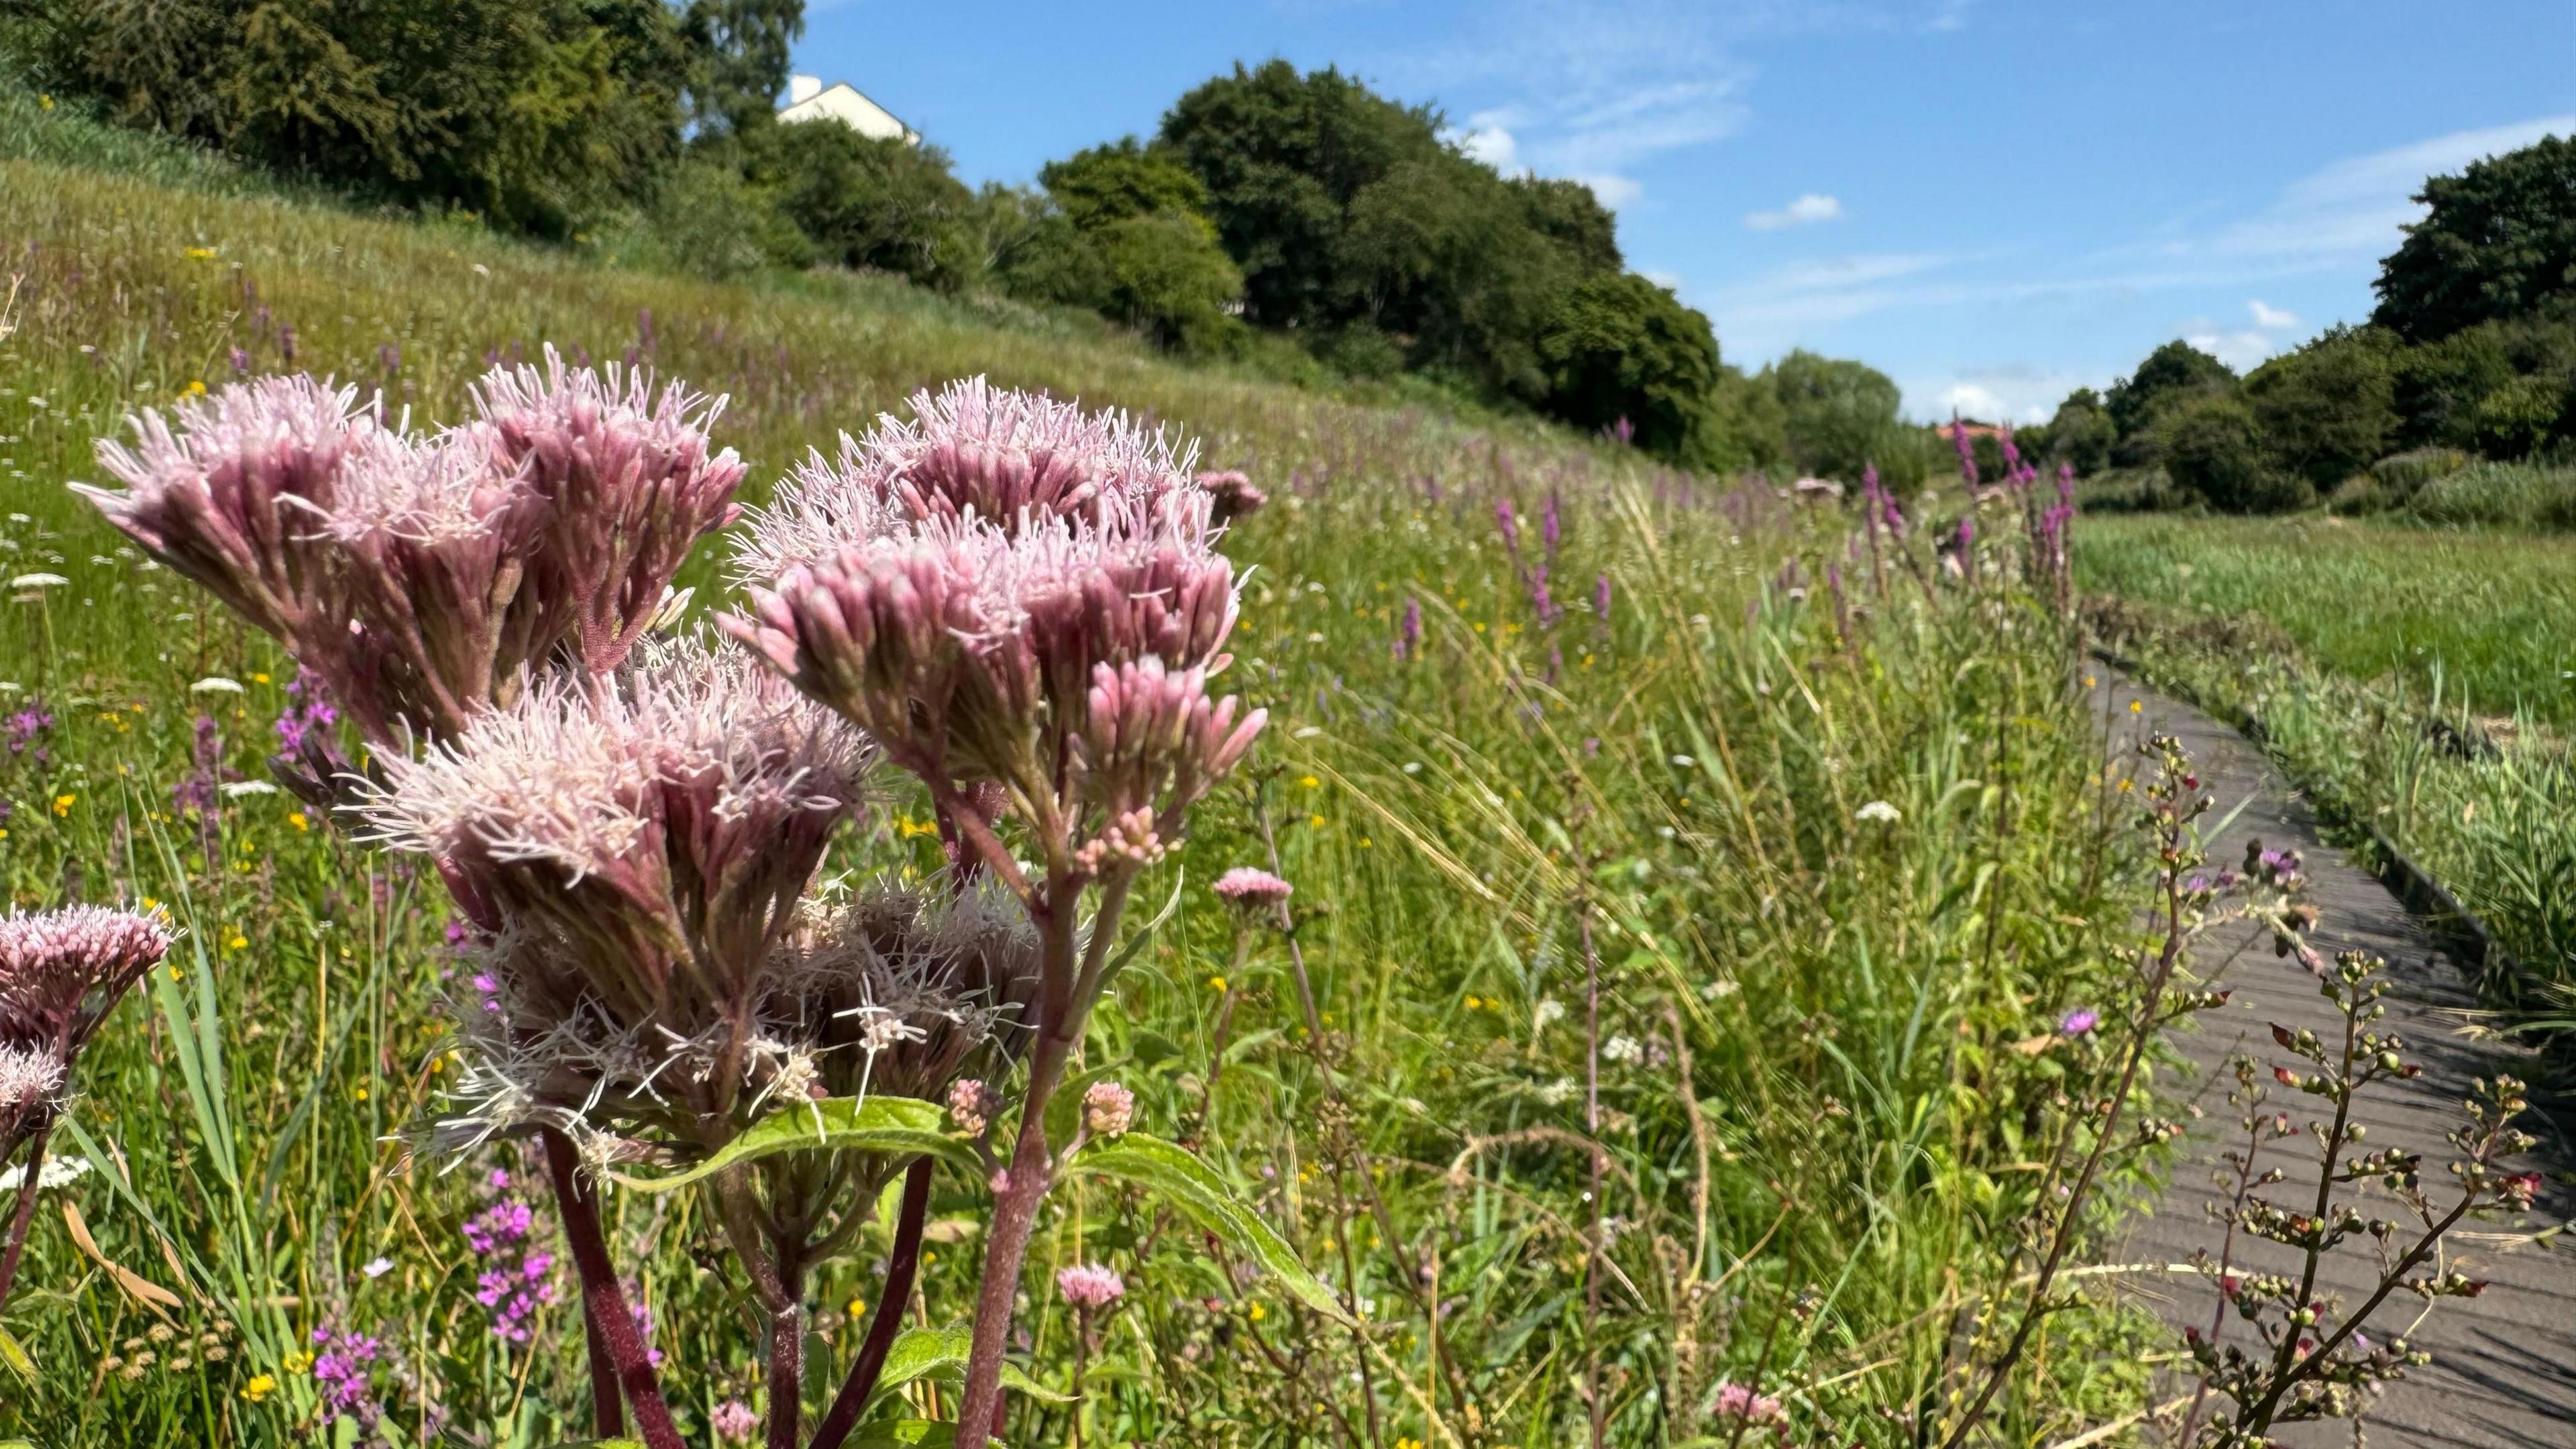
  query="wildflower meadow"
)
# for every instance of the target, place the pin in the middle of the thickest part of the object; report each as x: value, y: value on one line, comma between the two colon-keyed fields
x: 603, y: 857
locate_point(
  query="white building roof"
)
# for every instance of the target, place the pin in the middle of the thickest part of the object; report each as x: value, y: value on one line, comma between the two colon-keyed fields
x: 808, y: 99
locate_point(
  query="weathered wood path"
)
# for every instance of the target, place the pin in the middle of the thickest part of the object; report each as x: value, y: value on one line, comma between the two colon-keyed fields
x: 2503, y: 1374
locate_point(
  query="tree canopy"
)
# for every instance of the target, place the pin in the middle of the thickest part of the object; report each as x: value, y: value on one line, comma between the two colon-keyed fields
x: 2498, y: 241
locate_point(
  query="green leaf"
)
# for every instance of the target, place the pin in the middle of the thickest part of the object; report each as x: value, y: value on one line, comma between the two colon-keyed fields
x: 922, y: 1352
x: 905, y: 1434
x: 1182, y: 1180
x: 899, y: 1126
x: 1137, y: 941
x: 21, y: 1363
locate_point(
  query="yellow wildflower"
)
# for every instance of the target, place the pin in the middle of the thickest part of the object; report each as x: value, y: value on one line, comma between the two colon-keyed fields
x: 259, y: 679
x: 298, y: 821
x: 237, y: 942
x: 1217, y: 984
x: 63, y: 804
x: 259, y: 1387
x: 201, y: 254
x: 858, y: 1307
x: 1310, y: 782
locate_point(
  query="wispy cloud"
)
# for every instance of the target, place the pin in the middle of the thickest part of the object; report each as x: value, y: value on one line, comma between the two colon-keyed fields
x: 2355, y: 207
x: 2269, y: 317
x: 1805, y: 211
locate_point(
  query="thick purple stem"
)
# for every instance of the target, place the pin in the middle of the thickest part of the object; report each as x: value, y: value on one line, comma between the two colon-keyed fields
x: 604, y: 1301
x: 887, y: 1321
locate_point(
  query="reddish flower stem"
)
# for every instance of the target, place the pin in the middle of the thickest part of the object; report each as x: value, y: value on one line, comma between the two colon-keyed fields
x: 604, y: 1301
x: 20, y: 1220
x: 887, y: 1321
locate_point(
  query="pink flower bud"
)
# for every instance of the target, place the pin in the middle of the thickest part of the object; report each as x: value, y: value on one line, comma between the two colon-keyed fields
x: 1090, y: 1286
x: 1108, y: 1109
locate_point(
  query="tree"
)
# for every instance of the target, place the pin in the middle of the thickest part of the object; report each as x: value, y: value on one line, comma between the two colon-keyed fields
x: 738, y: 56
x: 1568, y: 214
x: 1621, y: 347
x: 1838, y: 416
x: 2171, y: 373
x: 2081, y: 432
x: 863, y: 202
x: 535, y: 114
x: 1116, y: 182
x: 2213, y: 447
x: 2498, y: 241
x: 2327, y: 410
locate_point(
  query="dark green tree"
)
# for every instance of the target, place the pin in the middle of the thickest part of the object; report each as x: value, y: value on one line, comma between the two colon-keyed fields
x: 2171, y: 373
x: 738, y: 56
x: 1568, y: 214
x: 1621, y: 347
x: 2327, y: 410
x: 2082, y: 432
x: 888, y: 204
x: 1122, y: 180
x: 1838, y: 416
x: 2213, y: 448
x: 2499, y: 241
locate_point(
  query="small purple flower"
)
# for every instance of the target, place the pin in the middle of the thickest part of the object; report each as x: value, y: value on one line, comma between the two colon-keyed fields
x: 517, y: 1277
x: 344, y: 1370
x: 23, y: 729
x: 1601, y: 596
x: 1967, y: 449
x: 2079, y: 1022
x: 1509, y: 523
x: 1551, y: 524
x: 240, y: 360
x: 1408, y: 635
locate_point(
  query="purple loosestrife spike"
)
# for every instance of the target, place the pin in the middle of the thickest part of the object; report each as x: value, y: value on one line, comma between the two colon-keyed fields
x: 1090, y: 1286
x: 1601, y: 596
x: 1509, y: 523
x: 2012, y: 454
x: 1551, y: 524
x: 2066, y: 484
x: 1967, y: 449
x: 630, y: 482
x: 1408, y: 636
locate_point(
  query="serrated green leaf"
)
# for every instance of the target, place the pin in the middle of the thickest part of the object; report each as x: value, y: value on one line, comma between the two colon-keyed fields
x: 922, y: 1352
x: 894, y: 1125
x: 905, y: 1434
x: 1182, y: 1180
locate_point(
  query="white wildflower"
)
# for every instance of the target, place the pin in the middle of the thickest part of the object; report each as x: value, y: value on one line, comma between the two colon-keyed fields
x: 1877, y: 810
x: 57, y: 1172
x: 1622, y: 1049
x: 239, y: 788
x: 216, y: 684
x: 1547, y: 1014
x: 38, y: 581
x: 378, y: 1268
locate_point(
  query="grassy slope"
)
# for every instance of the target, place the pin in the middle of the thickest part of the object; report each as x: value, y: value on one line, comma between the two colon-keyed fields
x: 1690, y: 763
x: 2375, y: 632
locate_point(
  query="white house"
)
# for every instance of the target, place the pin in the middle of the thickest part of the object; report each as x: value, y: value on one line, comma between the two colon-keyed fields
x: 808, y: 99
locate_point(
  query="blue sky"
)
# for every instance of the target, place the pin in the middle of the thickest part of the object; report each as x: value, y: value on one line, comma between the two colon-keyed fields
x: 1993, y: 202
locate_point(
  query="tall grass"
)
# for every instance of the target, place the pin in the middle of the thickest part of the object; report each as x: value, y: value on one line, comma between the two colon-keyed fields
x: 2420, y: 683
x: 1818, y: 1072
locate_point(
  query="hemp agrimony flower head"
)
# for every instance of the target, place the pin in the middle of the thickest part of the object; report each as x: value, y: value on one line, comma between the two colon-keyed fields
x: 232, y: 497
x: 634, y: 854
x: 419, y: 576
x: 61, y: 971
x: 907, y: 987
x: 628, y: 479
x: 1251, y: 889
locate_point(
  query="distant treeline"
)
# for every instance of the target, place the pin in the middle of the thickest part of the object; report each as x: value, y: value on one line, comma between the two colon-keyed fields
x: 1299, y: 215
x: 2471, y: 353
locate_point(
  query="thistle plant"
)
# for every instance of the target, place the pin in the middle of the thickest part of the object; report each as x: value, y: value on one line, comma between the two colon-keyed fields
x: 61, y: 972
x: 1025, y: 608
x: 2309, y: 1357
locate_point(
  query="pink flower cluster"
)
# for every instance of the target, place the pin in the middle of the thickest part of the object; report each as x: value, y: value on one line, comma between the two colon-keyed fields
x: 1735, y: 1401
x: 734, y: 1421
x: 1090, y: 1286
x: 1108, y: 1109
x: 61, y: 970
x: 518, y: 1277
x: 1011, y: 591
x: 419, y: 576
x: 1252, y: 889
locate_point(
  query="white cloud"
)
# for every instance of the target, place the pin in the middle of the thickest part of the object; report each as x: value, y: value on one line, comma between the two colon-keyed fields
x: 1805, y: 211
x: 1614, y: 190
x: 1972, y: 400
x: 2355, y: 207
x: 1669, y: 281
x: 2014, y: 393
x: 1490, y: 141
x: 2239, y: 350
x: 2270, y: 318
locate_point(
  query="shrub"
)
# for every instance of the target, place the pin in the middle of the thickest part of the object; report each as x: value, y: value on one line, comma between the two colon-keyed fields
x: 1622, y: 347
x: 2405, y: 472
x: 1168, y: 278
x: 2173, y: 373
x: 2327, y: 409
x: 868, y: 203
x: 2082, y: 432
x: 1838, y: 416
x: 2522, y: 495
x: 2214, y: 447
x: 2515, y: 419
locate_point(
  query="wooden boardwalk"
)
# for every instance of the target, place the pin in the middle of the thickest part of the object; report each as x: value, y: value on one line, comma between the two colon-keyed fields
x: 2503, y: 1374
